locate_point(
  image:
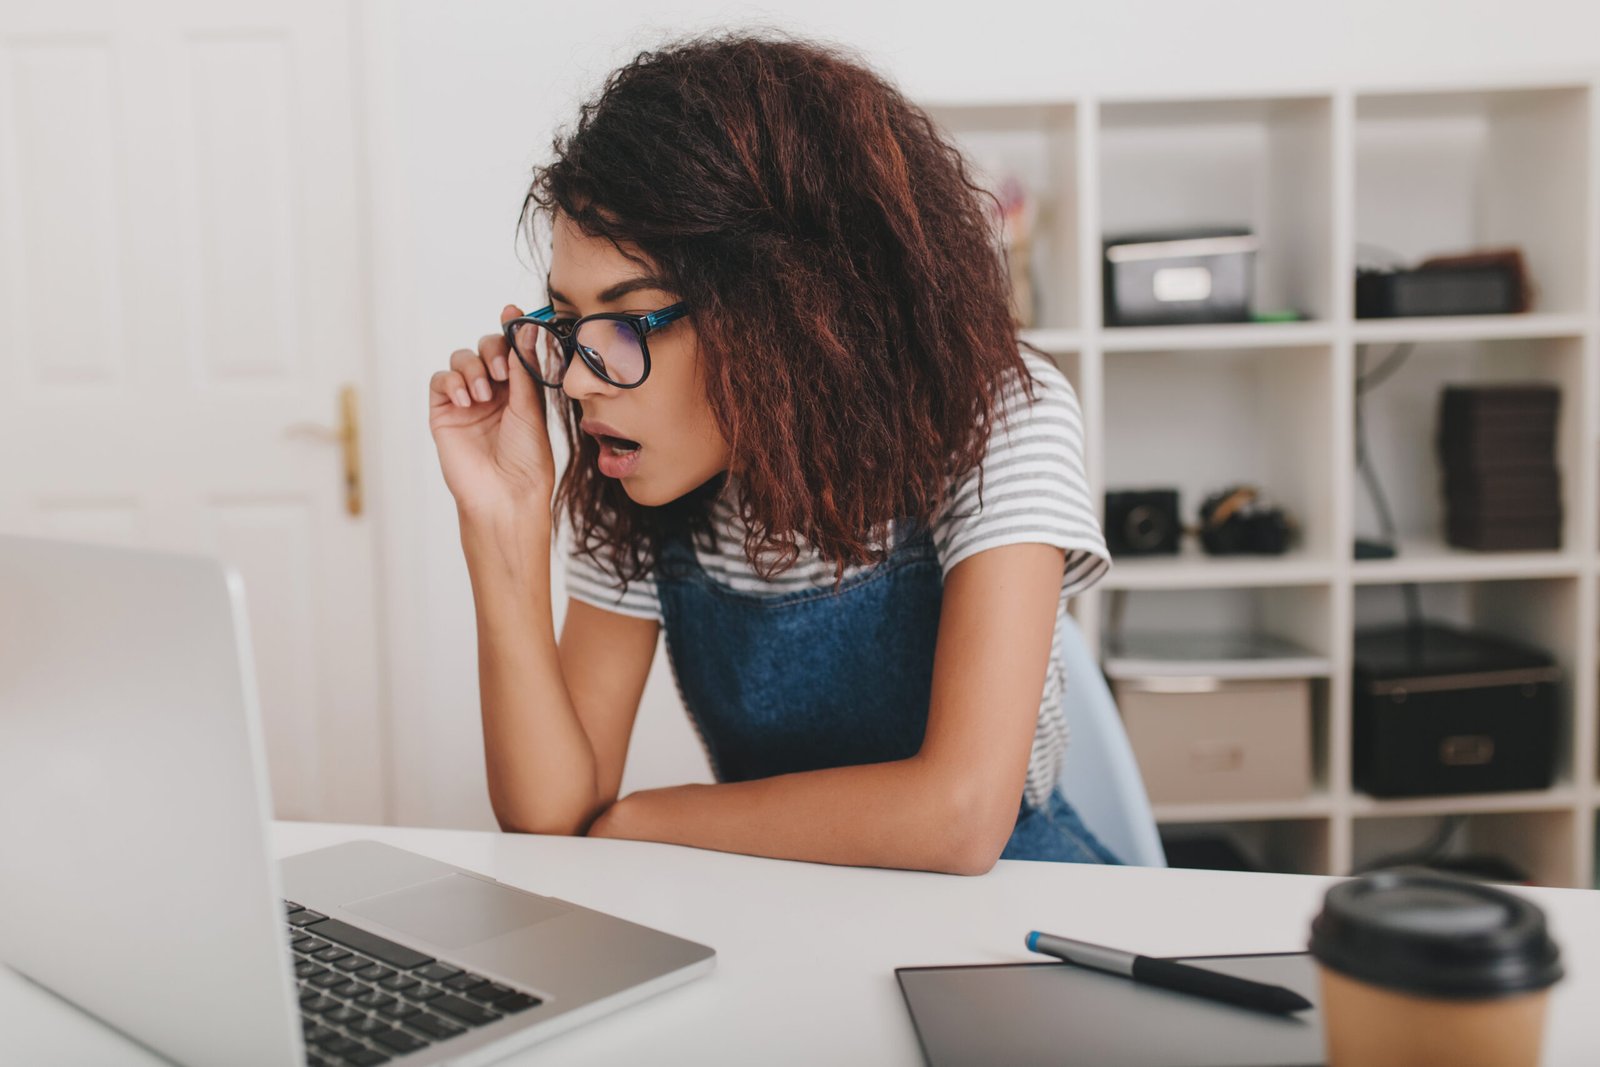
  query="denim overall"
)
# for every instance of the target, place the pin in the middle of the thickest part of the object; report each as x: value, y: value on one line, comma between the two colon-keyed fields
x: 826, y: 678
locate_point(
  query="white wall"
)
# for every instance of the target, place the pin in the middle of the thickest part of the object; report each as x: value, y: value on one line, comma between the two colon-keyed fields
x: 463, y: 99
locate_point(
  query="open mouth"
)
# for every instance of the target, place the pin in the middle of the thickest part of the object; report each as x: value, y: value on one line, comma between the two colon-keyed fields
x: 621, y: 446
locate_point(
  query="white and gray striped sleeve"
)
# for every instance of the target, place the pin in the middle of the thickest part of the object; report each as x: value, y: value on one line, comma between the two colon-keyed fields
x: 588, y: 582
x: 1035, y: 487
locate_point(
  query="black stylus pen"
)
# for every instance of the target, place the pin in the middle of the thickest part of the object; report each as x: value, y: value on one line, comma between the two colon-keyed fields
x: 1168, y: 974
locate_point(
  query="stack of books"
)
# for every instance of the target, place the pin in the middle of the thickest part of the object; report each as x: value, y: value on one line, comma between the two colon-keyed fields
x: 1502, y: 488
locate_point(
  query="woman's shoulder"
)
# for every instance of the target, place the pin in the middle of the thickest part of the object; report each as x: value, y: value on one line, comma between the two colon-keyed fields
x: 1050, y: 389
x: 1031, y: 485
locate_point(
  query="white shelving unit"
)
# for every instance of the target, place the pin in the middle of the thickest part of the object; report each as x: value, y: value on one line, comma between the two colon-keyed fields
x: 1330, y: 179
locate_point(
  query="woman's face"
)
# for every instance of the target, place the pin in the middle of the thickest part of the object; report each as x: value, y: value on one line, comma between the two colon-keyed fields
x: 680, y: 445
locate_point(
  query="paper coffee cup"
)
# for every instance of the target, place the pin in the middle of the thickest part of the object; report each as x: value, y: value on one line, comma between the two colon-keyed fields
x: 1421, y: 969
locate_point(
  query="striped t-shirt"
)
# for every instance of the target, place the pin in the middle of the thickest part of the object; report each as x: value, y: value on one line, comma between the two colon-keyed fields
x: 1034, y: 491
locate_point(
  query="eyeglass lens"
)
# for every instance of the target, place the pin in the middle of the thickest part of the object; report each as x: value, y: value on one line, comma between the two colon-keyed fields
x: 613, y: 349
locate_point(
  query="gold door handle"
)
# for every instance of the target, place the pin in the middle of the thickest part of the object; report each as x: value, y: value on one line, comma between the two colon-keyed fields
x: 348, y: 437
x: 350, y: 444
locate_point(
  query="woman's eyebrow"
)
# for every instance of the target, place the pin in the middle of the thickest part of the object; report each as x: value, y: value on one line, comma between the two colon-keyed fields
x: 617, y: 291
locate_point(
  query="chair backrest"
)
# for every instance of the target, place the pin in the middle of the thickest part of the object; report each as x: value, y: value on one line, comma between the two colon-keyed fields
x: 1100, y: 777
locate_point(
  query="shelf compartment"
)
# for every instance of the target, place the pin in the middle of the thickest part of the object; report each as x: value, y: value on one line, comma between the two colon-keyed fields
x: 1401, y: 416
x: 1200, y: 421
x: 1038, y: 143
x: 1300, y: 614
x: 1445, y: 172
x: 1542, y: 612
x: 1540, y: 842
x: 1285, y: 846
x: 1266, y: 163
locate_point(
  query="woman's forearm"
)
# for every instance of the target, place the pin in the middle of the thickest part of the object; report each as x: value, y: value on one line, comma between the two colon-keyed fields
x: 900, y: 814
x: 540, y: 764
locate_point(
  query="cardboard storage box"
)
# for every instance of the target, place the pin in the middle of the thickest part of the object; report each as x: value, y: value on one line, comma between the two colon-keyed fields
x: 1214, y: 739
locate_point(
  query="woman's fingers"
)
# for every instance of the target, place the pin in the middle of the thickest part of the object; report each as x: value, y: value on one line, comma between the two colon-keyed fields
x: 470, y: 366
x: 472, y: 375
x: 450, y: 387
x: 495, y: 353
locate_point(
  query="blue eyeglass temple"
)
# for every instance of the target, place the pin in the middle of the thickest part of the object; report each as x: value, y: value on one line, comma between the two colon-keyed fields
x: 652, y: 321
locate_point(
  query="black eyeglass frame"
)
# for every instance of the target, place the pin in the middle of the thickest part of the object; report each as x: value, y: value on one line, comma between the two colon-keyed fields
x: 643, y: 325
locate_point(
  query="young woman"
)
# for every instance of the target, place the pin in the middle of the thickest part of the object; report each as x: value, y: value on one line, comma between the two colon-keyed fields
x: 805, y: 442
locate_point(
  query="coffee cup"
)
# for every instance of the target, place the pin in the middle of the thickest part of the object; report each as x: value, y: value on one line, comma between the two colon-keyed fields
x: 1421, y: 969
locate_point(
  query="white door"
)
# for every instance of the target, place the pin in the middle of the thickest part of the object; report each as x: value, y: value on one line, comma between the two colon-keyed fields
x: 181, y: 302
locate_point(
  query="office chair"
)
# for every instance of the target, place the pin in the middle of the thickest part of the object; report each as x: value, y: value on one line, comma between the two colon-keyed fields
x: 1099, y: 777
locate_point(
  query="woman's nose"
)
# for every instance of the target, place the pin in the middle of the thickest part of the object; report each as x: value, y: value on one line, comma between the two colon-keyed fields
x: 580, y: 381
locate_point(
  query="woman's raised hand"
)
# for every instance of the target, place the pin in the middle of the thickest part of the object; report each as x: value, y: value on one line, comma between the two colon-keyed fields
x: 488, y: 421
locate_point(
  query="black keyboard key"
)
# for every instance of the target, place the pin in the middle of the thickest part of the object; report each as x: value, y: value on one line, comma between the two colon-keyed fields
x: 290, y: 906
x: 367, y: 1057
x: 464, y: 1010
x: 397, y: 983
x: 314, y: 1060
x: 318, y: 1005
x: 347, y: 988
x: 338, y: 1045
x: 435, y: 1026
x: 343, y: 1016
x: 396, y: 955
x: 305, y: 917
x: 308, y: 994
x: 311, y: 945
x: 369, y: 1026
x: 353, y: 962
x: 374, y: 1000
x: 400, y: 1041
x: 422, y: 993
x: 315, y: 1031
x: 331, y: 953
x: 489, y: 991
x: 308, y: 969
x: 398, y: 1010
x: 438, y: 972
x: 326, y: 979
x: 516, y: 1002
x: 463, y: 982
x: 375, y: 973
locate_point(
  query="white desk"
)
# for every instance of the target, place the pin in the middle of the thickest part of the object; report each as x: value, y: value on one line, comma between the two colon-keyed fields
x: 806, y: 953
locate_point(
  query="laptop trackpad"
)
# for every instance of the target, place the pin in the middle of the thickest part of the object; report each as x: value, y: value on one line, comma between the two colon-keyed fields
x: 455, y: 911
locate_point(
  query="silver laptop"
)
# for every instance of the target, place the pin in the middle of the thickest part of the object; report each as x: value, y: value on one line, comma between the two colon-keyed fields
x: 136, y: 879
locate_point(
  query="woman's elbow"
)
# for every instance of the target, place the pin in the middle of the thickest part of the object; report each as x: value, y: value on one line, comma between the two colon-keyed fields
x: 977, y: 836
x: 553, y: 823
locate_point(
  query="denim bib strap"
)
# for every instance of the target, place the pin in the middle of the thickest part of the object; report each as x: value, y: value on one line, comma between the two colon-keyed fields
x: 825, y: 677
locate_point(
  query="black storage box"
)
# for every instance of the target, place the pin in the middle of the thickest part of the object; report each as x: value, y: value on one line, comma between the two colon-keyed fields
x: 1441, y: 710
x: 1168, y: 277
x: 1455, y: 291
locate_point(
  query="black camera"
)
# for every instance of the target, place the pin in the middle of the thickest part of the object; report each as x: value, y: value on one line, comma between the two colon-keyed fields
x: 1239, y: 521
x: 1143, y: 522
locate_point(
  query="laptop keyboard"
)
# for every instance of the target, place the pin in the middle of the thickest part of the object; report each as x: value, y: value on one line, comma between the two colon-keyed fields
x: 366, y: 1000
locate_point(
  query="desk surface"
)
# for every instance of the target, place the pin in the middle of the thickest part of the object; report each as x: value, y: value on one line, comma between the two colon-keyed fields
x: 806, y: 953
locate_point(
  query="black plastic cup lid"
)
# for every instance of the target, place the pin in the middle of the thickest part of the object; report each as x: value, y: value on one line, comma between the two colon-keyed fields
x: 1436, y: 935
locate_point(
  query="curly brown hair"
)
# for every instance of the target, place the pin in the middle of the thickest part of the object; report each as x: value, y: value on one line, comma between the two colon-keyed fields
x: 805, y: 210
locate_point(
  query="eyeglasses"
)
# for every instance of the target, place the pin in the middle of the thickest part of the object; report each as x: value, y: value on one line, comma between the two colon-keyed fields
x: 611, y: 344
